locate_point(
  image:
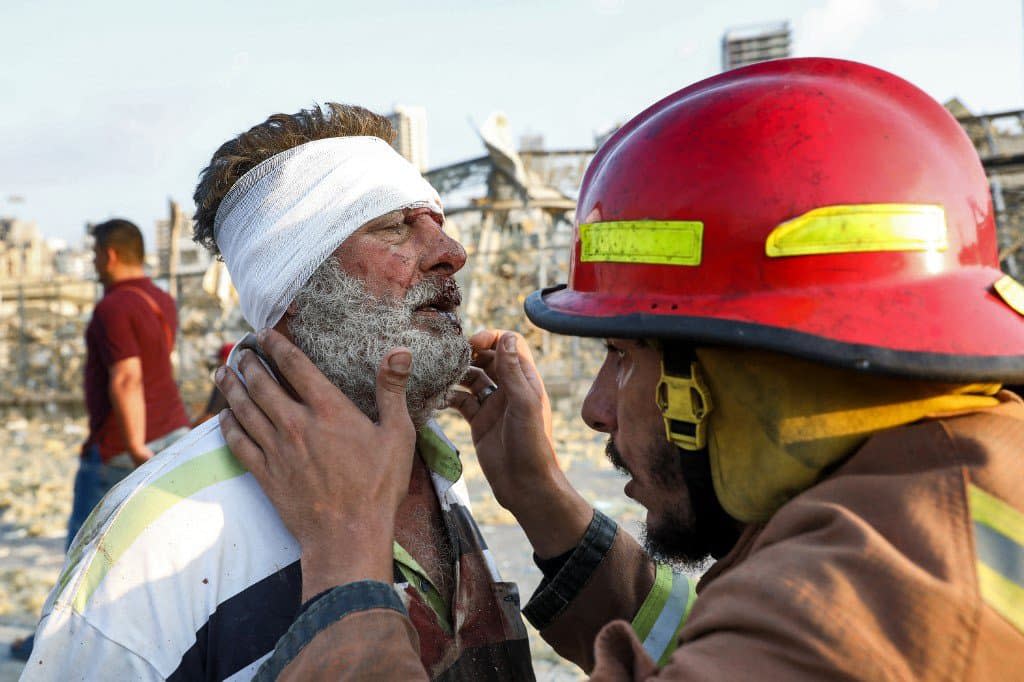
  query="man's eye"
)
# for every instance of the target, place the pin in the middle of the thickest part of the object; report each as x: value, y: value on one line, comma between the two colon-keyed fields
x: 394, y: 231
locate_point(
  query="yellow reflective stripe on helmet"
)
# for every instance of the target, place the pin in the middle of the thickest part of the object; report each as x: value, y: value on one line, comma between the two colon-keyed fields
x: 664, y: 612
x: 861, y: 227
x: 1011, y: 291
x: 659, y: 242
x: 999, y: 545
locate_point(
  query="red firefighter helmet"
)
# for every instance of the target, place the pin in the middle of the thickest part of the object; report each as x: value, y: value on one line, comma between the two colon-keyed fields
x: 816, y: 207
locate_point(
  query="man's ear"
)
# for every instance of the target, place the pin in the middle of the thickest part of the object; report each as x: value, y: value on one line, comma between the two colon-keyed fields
x: 282, y: 325
x: 113, y: 257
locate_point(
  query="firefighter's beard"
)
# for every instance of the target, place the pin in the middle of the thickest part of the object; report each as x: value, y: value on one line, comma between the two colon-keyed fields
x: 694, y: 527
x: 346, y: 332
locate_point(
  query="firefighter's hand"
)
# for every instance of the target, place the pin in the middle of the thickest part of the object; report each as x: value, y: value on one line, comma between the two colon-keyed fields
x: 328, y: 470
x: 509, y: 413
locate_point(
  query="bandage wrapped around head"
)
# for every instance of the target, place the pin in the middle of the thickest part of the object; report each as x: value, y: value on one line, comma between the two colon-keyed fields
x: 287, y: 215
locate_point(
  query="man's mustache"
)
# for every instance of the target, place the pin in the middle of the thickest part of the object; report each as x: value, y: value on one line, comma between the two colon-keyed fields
x: 443, y: 294
x: 611, y: 451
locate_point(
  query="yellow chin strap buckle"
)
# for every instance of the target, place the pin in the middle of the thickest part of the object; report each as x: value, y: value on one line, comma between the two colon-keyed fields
x: 685, y: 403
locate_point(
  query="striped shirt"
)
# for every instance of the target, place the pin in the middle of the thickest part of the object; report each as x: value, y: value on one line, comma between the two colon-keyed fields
x: 185, y: 571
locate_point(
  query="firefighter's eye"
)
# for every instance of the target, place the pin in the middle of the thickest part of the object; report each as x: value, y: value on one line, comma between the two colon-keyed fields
x: 612, y: 348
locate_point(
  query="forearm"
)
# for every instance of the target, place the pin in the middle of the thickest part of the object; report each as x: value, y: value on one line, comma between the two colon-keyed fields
x: 330, y: 563
x: 552, y: 513
x: 128, y: 402
x: 358, y: 631
x: 607, y: 577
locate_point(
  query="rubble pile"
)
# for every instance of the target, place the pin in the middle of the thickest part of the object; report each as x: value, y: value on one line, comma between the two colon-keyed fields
x: 42, y: 347
x: 510, y: 255
x: 38, y: 463
x: 38, y: 460
x: 41, y: 361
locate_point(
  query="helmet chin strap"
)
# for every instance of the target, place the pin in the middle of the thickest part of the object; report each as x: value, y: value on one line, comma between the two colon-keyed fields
x: 685, y: 402
x: 684, y: 399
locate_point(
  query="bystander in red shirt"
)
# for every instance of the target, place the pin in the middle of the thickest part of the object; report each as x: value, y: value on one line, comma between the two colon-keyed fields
x: 125, y: 324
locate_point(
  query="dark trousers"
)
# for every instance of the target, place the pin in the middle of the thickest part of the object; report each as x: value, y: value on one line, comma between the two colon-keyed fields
x: 93, y: 480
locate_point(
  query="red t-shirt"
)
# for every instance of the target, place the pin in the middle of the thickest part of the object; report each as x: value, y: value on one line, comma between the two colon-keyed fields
x: 124, y: 325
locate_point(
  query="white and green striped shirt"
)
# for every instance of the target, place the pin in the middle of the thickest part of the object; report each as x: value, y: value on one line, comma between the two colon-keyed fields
x: 184, y: 569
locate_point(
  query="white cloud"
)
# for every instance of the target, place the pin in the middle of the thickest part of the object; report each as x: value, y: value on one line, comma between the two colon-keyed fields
x: 835, y: 26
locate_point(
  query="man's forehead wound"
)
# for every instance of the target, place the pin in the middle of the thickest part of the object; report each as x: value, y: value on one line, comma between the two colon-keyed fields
x: 411, y: 215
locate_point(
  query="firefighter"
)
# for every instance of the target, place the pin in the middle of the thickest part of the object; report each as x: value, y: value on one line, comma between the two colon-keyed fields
x: 794, y: 268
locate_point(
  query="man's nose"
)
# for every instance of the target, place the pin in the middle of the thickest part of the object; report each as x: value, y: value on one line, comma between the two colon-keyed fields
x: 444, y: 254
x: 600, y: 409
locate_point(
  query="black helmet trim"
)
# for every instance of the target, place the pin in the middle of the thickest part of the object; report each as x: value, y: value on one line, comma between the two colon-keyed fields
x: 704, y: 330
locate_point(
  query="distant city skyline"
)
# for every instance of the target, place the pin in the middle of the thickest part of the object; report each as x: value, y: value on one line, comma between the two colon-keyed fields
x: 411, y: 137
x: 115, y: 106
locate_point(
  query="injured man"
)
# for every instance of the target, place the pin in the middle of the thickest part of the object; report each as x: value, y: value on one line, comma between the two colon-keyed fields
x: 185, y: 570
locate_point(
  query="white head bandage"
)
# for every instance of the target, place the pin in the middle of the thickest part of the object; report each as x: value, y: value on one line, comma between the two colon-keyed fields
x: 285, y: 217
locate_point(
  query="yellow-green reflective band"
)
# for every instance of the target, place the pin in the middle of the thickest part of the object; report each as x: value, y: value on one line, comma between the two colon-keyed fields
x: 1011, y: 291
x: 658, y: 242
x: 147, y: 504
x: 999, y: 544
x: 664, y: 612
x: 1004, y: 596
x: 996, y: 514
x: 673, y: 641
x: 857, y: 228
x: 655, y: 601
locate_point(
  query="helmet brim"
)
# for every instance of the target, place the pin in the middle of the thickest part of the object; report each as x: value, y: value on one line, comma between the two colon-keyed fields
x: 993, y: 353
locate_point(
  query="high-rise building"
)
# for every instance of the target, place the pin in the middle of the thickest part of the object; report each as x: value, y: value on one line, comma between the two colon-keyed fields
x: 24, y: 254
x: 192, y: 257
x: 752, y: 44
x: 410, y: 123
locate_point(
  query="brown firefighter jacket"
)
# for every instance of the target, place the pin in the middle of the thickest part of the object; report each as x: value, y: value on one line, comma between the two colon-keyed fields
x: 906, y: 563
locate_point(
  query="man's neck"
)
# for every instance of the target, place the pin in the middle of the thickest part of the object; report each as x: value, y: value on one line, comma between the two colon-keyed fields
x: 420, y: 530
x: 126, y: 273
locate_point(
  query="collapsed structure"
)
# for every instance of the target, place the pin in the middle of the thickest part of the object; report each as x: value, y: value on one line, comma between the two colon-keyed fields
x: 512, y: 209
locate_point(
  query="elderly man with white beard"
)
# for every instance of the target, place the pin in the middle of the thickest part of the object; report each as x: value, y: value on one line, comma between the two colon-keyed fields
x: 185, y: 571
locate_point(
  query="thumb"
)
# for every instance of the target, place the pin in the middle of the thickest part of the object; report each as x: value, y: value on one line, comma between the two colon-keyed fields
x: 392, y: 377
x: 509, y: 369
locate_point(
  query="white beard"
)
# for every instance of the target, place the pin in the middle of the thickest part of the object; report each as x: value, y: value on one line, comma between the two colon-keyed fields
x: 346, y: 332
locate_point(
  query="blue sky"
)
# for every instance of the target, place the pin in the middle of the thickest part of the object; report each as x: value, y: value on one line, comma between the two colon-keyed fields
x: 109, y: 108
